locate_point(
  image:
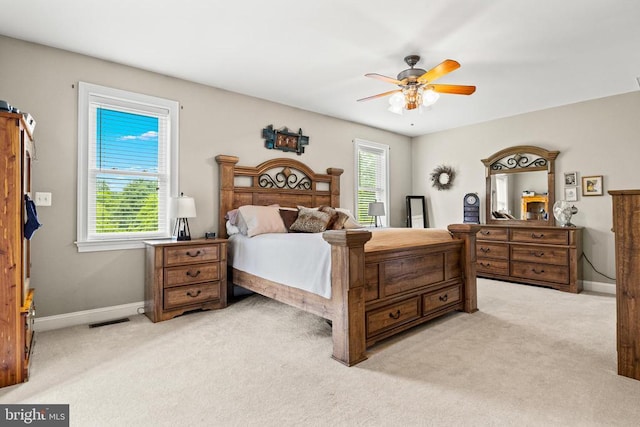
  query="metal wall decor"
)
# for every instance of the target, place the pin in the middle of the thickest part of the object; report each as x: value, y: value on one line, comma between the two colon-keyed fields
x: 442, y: 177
x: 519, y: 161
x: 285, y: 140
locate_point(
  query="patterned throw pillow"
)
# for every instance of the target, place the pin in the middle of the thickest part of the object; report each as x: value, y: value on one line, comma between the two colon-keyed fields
x: 337, y: 218
x: 310, y: 221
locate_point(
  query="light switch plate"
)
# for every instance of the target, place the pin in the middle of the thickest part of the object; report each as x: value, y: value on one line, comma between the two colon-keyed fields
x: 43, y: 199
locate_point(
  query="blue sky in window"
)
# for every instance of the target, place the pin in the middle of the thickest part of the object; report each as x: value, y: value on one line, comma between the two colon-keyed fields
x: 126, y: 141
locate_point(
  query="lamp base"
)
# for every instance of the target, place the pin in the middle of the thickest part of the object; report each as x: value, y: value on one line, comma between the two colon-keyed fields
x: 181, y: 230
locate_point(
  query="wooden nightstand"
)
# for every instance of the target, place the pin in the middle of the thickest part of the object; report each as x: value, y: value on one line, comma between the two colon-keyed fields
x: 184, y: 276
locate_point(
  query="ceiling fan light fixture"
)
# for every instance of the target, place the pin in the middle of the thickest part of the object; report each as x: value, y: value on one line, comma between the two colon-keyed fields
x: 429, y: 97
x: 412, y: 96
x: 396, y: 103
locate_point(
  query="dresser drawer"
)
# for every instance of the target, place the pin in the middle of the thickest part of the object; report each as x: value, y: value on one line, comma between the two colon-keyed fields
x: 393, y: 315
x: 191, y: 294
x: 493, y: 266
x: 492, y: 234
x: 435, y: 300
x: 191, y: 254
x: 492, y: 250
x: 545, y: 272
x: 540, y: 254
x: 552, y: 237
x: 176, y: 276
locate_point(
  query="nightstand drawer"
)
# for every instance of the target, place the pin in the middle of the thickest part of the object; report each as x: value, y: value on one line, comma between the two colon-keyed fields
x: 191, y: 254
x: 190, y: 294
x: 176, y: 276
x: 393, y: 315
x: 435, y: 300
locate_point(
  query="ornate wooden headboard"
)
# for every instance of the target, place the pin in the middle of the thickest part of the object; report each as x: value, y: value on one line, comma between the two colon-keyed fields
x: 283, y: 181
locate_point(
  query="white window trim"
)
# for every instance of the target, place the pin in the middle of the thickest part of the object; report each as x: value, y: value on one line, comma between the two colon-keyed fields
x: 357, y: 143
x: 85, y: 90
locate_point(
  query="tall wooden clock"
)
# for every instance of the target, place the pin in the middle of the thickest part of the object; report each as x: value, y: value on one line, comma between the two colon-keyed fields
x: 471, y: 205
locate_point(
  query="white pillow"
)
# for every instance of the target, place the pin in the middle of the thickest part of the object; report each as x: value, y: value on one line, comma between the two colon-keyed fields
x: 231, y: 229
x: 256, y: 220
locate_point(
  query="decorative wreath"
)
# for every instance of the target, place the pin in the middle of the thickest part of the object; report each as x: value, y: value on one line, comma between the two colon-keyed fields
x: 442, y: 177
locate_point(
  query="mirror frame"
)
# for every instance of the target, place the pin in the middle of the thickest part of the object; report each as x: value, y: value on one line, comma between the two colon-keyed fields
x: 521, y: 158
x: 424, y: 211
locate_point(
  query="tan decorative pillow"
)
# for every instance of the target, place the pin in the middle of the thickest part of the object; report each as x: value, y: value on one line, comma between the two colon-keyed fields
x: 310, y: 221
x: 350, y: 222
x: 337, y: 218
x: 254, y: 220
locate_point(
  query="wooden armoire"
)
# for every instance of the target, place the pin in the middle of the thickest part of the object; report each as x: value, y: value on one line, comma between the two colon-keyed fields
x: 626, y: 226
x: 16, y: 296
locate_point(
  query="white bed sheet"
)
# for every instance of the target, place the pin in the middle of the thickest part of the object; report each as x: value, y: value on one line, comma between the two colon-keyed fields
x: 299, y: 260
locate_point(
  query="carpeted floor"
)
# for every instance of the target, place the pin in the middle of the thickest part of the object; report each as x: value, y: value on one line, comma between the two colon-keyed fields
x: 531, y: 356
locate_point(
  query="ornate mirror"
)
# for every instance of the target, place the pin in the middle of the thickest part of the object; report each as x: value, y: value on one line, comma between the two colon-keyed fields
x: 416, y: 212
x: 520, y: 184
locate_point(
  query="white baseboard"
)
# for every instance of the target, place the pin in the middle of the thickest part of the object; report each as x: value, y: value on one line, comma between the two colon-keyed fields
x: 84, y: 317
x: 603, y: 288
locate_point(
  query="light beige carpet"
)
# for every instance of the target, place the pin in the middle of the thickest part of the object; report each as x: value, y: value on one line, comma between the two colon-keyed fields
x: 531, y: 356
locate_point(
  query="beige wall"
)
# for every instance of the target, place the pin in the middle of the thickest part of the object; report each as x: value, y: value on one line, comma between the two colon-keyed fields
x: 39, y: 80
x: 599, y: 137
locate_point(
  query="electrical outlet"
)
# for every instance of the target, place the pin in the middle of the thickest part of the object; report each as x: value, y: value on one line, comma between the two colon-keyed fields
x: 43, y: 199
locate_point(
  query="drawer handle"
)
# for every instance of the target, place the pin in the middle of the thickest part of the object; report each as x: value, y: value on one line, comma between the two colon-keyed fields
x: 190, y: 274
x: 443, y: 298
x: 485, y: 250
x: 395, y: 316
x: 537, y: 236
x: 536, y: 271
x: 485, y: 264
x: 537, y: 254
x: 192, y: 295
x: 485, y: 232
x: 194, y: 255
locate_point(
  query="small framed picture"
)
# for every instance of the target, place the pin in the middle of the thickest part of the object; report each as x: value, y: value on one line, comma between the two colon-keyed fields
x: 570, y: 179
x: 571, y: 194
x: 592, y: 185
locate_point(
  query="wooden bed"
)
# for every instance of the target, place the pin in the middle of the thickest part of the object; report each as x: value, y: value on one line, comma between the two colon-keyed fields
x: 374, y: 294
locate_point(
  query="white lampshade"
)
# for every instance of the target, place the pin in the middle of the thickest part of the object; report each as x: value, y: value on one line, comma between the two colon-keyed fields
x: 185, y: 207
x: 376, y: 209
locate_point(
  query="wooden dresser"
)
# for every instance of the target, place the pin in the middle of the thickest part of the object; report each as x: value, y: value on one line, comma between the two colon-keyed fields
x: 626, y: 226
x: 184, y: 276
x: 540, y: 255
x: 16, y: 297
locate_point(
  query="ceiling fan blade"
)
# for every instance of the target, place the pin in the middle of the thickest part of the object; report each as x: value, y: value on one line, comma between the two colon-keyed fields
x: 380, y: 95
x: 385, y: 78
x: 453, y: 89
x: 439, y: 70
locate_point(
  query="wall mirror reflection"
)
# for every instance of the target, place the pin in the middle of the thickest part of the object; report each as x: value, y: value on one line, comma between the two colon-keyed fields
x: 416, y: 212
x: 520, y: 185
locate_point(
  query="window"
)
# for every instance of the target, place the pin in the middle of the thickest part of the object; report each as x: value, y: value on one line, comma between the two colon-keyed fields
x: 372, y: 179
x: 127, y: 167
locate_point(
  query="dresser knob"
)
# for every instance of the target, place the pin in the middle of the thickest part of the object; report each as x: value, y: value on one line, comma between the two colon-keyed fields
x: 537, y: 236
x: 395, y: 316
x: 194, y: 255
x: 443, y: 298
x: 192, y: 295
x: 537, y: 254
x: 536, y: 271
x: 190, y: 274
x: 485, y: 250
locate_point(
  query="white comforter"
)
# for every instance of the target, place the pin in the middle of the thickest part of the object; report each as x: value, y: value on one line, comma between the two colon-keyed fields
x: 299, y: 260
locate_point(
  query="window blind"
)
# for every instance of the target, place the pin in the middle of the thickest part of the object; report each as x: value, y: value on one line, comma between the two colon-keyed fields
x: 372, y: 178
x: 128, y: 186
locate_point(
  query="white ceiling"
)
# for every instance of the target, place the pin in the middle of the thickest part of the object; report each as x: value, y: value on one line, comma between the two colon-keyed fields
x: 523, y: 55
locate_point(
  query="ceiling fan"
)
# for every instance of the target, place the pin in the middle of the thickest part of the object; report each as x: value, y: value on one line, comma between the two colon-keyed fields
x: 416, y: 85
